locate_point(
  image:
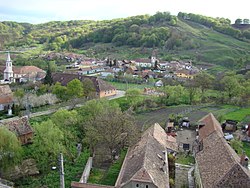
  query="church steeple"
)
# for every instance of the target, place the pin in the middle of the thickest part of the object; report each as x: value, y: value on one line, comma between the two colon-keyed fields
x: 8, y: 57
x: 8, y: 72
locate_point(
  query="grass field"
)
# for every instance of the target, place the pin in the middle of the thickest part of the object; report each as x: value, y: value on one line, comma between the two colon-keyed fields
x: 194, y: 113
x: 182, y: 158
x: 238, y: 114
x: 124, y: 86
x: 102, y: 177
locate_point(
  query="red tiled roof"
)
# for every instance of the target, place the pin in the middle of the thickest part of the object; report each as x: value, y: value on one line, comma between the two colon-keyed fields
x: 211, y: 125
x: 26, y: 69
x: 144, y: 160
x: 19, y: 126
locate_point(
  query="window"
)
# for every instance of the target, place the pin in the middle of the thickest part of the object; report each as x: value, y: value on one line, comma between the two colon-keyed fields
x: 146, y: 186
x: 137, y: 185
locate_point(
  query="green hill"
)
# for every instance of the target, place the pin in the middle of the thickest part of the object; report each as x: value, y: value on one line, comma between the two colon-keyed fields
x: 186, y: 36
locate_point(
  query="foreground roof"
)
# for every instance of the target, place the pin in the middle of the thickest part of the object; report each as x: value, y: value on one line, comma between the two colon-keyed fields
x: 147, y: 160
x: 218, y: 163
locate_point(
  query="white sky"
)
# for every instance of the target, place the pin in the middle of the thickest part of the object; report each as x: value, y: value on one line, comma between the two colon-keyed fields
x: 40, y: 11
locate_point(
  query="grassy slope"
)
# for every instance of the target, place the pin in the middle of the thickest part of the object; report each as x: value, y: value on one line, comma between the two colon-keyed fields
x: 213, y: 44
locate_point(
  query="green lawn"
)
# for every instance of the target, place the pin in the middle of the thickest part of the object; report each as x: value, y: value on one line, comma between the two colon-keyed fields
x: 182, y: 158
x: 108, y: 177
x: 238, y: 114
x: 96, y: 175
x: 124, y: 86
x: 246, y: 147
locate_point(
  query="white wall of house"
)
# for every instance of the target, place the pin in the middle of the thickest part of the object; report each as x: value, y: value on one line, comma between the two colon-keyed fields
x: 105, y: 74
x: 135, y: 184
x: 1, y: 107
x: 139, y: 64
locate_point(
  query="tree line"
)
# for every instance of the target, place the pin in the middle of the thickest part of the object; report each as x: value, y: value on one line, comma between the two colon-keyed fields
x: 219, y: 24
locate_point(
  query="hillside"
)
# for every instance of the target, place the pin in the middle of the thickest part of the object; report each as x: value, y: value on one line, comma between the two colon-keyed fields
x: 187, y: 36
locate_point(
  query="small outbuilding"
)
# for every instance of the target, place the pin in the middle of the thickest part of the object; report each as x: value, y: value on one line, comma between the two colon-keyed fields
x: 21, y: 128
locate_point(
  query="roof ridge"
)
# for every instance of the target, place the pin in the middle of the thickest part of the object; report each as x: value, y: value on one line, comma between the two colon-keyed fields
x: 146, y: 151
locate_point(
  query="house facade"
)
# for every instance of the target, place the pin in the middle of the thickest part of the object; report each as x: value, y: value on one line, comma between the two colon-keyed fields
x: 217, y: 164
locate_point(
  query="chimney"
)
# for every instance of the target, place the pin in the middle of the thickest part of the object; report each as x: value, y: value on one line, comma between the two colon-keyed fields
x: 244, y: 160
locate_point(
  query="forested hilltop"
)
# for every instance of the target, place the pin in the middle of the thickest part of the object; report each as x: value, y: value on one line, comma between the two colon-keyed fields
x: 186, y: 36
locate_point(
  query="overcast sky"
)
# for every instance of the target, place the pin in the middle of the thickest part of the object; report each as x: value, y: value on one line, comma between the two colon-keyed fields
x: 40, y: 11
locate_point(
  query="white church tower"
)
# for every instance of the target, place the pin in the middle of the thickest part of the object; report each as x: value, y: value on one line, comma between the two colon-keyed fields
x: 8, y: 72
x: 153, y: 59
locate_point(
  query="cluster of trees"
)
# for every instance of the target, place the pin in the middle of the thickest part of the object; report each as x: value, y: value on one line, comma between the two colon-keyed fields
x: 240, y: 21
x: 74, y: 89
x: 98, y: 122
x: 219, y: 24
x: 10, y: 149
x: 228, y: 88
x: 133, y: 31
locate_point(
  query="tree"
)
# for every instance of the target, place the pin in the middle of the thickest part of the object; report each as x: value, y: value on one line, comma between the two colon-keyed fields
x: 65, y: 118
x: 192, y: 91
x: 246, y: 21
x: 238, y: 21
x: 67, y: 121
x: 231, y: 86
x: 60, y: 91
x: 19, y: 94
x: 75, y: 89
x: 10, y: 149
x: 204, y: 81
x: 111, y: 128
x: 93, y: 108
x: 133, y: 96
x: 88, y: 88
x: 47, y: 144
x: 48, y: 78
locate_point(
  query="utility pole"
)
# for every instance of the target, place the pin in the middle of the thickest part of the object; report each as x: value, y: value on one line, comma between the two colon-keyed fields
x: 62, y: 185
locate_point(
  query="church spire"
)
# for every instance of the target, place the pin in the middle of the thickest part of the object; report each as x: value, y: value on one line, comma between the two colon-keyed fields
x: 8, y: 57
x: 8, y: 72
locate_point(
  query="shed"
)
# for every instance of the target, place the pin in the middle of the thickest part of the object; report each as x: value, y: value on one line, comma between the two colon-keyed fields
x: 21, y: 128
